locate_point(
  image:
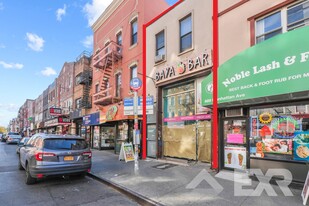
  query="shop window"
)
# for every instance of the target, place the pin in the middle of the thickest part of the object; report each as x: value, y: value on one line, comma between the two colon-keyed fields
x: 286, y: 19
x: 185, y: 33
x: 280, y: 133
x: 175, y: 104
x: 134, y: 32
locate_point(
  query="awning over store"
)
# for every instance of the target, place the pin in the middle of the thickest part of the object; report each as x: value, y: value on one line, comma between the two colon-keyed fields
x: 276, y: 69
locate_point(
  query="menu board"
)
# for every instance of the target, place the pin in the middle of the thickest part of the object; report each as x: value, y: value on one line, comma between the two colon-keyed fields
x: 305, y: 192
x: 235, y: 157
x: 126, y: 152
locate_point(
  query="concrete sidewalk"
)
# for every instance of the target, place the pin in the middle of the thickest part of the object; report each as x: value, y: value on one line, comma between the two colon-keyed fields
x: 176, y: 184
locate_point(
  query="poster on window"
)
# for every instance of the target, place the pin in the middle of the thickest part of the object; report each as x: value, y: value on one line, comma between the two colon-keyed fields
x: 277, y: 146
x: 235, y: 157
x: 199, y: 108
x: 96, y: 137
x: 301, y: 147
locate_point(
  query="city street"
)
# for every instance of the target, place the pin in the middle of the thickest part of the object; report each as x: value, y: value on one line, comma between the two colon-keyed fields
x: 53, y: 191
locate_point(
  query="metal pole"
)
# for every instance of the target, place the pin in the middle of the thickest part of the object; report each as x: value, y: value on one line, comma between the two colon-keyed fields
x: 215, y: 138
x: 135, y: 137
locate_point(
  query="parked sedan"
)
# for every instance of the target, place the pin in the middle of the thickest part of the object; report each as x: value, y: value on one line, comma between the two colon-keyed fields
x: 5, y: 137
x: 13, y: 139
x: 22, y: 142
x: 49, y: 154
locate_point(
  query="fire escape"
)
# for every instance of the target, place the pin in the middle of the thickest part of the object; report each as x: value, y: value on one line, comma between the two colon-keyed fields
x: 105, y: 60
x: 85, y: 80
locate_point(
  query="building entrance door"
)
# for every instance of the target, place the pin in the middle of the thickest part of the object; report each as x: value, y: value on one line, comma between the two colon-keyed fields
x: 151, y: 141
x: 235, y: 143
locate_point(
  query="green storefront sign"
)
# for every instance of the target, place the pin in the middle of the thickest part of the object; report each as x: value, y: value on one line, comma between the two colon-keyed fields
x: 277, y: 66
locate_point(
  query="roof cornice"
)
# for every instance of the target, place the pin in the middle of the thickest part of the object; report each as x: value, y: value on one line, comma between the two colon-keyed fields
x: 106, y: 14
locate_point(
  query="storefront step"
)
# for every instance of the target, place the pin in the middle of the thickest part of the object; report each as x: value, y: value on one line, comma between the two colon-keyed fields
x: 174, y: 161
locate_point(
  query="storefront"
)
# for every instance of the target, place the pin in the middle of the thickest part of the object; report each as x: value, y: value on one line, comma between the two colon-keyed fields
x: 115, y: 127
x: 57, y: 125
x: 263, y: 96
x: 77, y: 121
x: 109, y: 128
x: 184, y: 128
x: 89, y: 129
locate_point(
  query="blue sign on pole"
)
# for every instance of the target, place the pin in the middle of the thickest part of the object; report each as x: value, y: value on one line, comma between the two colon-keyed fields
x: 128, y: 102
x: 135, y: 83
x: 149, y: 101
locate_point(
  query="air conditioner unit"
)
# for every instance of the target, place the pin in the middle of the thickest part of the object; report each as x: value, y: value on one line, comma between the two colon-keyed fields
x: 234, y: 112
x: 159, y: 58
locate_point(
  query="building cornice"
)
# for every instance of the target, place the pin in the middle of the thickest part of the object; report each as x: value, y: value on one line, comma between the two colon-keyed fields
x: 106, y: 14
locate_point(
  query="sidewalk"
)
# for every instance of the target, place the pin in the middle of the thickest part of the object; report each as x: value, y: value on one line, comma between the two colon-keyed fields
x: 168, y: 184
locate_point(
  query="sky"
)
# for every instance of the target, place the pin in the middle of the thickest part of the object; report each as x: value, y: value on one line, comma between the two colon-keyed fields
x: 36, y: 38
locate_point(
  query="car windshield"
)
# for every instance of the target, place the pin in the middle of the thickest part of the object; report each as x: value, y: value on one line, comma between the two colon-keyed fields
x: 65, y: 144
x: 13, y: 133
x: 15, y: 136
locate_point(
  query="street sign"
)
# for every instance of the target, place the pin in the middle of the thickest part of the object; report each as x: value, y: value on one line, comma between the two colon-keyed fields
x: 128, y: 105
x: 135, y: 84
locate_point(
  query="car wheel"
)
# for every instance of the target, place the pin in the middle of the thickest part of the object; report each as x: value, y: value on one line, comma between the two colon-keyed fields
x: 20, y: 167
x: 82, y: 175
x: 29, y: 180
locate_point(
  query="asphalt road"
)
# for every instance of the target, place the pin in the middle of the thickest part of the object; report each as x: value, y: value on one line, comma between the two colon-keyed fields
x: 53, y: 191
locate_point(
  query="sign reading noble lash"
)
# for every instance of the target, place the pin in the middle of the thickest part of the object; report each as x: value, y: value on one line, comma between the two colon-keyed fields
x: 276, y: 66
x: 187, y: 66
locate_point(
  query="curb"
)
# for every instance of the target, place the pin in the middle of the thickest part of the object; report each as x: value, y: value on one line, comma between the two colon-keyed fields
x: 140, y: 199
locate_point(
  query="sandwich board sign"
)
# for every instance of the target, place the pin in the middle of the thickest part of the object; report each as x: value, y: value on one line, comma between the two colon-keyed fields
x: 126, y: 152
x: 305, y: 192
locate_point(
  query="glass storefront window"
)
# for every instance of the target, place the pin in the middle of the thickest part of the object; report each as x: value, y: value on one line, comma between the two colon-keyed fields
x: 280, y: 133
x: 179, y: 101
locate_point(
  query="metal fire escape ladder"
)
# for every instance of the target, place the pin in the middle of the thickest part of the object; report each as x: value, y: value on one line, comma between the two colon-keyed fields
x: 106, y: 65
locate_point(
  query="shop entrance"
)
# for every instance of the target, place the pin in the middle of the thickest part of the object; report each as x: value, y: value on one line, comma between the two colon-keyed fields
x: 151, y: 141
x: 188, y: 140
x: 235, y: 143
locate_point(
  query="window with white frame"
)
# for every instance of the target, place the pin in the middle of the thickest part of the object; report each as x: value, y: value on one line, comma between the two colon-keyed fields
x: 288, y: 18
x: 78, y: 103
x: 160, y: 43
x: 119, y: 41
x: 96, y: 88
x: 133, y: 71
x: 134, y: 31
x: 185, y: 33
x: 118, y: 84
x: 78, y: 78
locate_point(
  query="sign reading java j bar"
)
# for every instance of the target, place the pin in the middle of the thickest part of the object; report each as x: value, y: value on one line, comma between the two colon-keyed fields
x: 187, y: 66
x: 276, y: 66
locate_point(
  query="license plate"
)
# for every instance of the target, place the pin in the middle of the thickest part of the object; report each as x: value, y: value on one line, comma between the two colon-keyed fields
x: 68, y: 158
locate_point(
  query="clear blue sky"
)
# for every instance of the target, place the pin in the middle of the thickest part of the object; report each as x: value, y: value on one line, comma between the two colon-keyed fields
x: 36, y: 38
